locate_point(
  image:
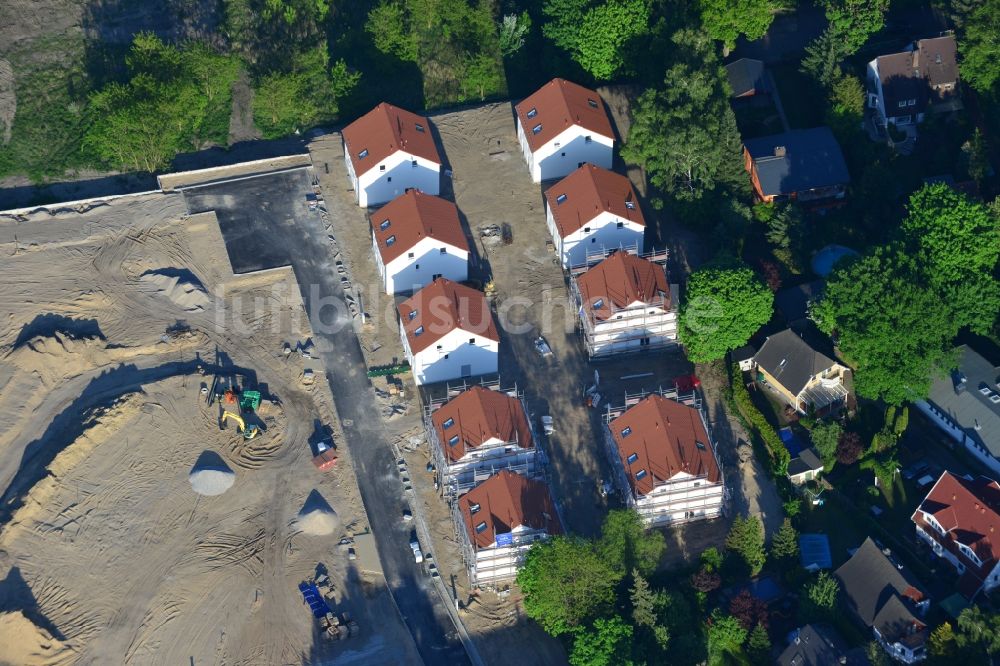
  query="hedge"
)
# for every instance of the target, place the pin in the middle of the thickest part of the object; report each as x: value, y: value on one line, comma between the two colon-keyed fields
x: 386, y: 370
x: 758, y: 425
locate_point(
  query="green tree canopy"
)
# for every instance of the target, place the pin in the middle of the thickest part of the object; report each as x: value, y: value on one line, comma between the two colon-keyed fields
x: 821, y: 596
x: 626, y: 545
x: 725, y: 20
x: 604, y: 644
x: 566, y: 583
x: 723, y: 308
x: 854, y: 21
x: 595, y: 34
x: 980, y: 46
x: 684, y: 135
x: 978, y: 634
x: 785, y: 544
x: 725, y: 637
x: 746, y: 538
x: 825, y: 436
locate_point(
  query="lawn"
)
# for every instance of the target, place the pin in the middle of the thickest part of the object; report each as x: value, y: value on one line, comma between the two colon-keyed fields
x: 801, y: 98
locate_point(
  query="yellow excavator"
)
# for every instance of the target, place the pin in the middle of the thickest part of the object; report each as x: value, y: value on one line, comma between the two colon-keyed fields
x: 249, y: 432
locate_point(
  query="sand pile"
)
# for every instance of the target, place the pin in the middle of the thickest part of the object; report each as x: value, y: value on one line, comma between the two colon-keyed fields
x: 186, y: 292
x: 23, y: 642
x: 317, y: 517
x: 210, y: 475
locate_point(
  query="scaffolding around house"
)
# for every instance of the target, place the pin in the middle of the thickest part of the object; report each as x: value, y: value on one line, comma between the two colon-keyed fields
x: 595, y: 257
x: 455, y: 478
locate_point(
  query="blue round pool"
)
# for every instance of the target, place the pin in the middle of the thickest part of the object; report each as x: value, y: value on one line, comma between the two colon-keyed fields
x: 824, y: 260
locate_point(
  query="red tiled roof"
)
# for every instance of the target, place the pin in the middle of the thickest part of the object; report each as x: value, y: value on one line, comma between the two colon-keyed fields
x: 440, y: 308
x: 479, y: 415
x: 412, y: 217
x: 385, y: 130
x: 621, y: 280
x: 969, y: 513
x: 507, y: 500
x: 561, y: 104
x: 590, y: 191
x: 663, y: 435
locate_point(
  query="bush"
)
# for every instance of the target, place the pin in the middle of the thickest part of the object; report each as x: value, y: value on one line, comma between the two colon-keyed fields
x: 759, y: 426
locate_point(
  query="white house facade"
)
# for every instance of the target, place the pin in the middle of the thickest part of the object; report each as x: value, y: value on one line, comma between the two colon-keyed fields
x: 561, y: 127
x: 389, y: 151
x: 665, y: 462
x: 417, y: 238
x: 448, y: 332
x: 592, y: 212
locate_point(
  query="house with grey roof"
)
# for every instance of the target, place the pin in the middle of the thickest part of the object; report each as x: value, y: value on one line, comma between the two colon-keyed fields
x: 805, y: 466
x: 819, y: 645
x: 801, y: 376
x: 802, y: 165
x: 746, y: 77
x: 965, y: 404
x: 903, y: 86
x: 886, y: 599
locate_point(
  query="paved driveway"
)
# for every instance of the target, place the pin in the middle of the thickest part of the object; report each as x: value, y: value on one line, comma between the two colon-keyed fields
x: 286, y: 232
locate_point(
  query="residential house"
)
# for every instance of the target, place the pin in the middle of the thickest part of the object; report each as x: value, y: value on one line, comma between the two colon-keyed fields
x: 665, y: 462
x: 497, y: 523
x: 819, y: 645
x: 448, y: 332
x: 966, y: 405
x: 625, y: 305
x: 792, y: 303
x: 591, y: 212
x: 805, y: 466
x: 743, y: 357
x: 958, y: 519
x: 478, y: 433
x: 418, y: 238
x: 804, y: 378
x: 801, y: 165
x: 887, y: 600
x: 746, y: 78
x: 902, y: 87
x: 388, y: 151
x: 561, y: 127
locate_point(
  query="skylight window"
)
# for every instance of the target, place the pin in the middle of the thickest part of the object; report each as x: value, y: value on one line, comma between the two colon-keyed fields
x: 640, y: 475
x: 413, y: 315
x: 419, y: 331
x: 385, y: 225
x: 390, y: 240
x: 363, y: 154
x: 532, y: 112
x: 630, y: 205
x: 700, y: 445
x: 536, y: 129
x: 627, y: 431
x: 449, y: 423
x: 599, y: 303
x: 632, y: 458
x: 561, y: 198
x: 474, y: 508
x: 592, y: 103
x: 481, y: 527
x: 420, y: 128
x: 453, y: 441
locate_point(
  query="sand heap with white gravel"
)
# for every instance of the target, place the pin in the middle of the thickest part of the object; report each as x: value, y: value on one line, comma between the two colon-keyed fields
x: 317, y: 517
x: 210, y: 476
x: 185, y: 293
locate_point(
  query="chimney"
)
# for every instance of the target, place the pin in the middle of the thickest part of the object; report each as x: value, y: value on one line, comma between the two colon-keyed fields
x: 779, y: 151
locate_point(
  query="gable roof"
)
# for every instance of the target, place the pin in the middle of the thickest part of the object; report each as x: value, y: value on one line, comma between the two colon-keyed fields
x: 807, y: 461
x: 746, y: 75
x: 790, y: 360
x: 506, y: 501
x: 818, y: 645
x: 385, y: 130
x: 558, y: 105
x: 412, y: 217
x: 902, y: 81
x: 938, y: 59
x: 812, y: 159
x: 961, y: 396
x: 664, y: 437
x: 442, y: 307
x: 478, y: 415
x: 621, y: 280
x: 969, y: 513
x: 880, y: 594
x: 586, y: 193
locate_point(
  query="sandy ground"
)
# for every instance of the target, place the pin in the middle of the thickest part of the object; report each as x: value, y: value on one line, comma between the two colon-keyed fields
x: 106, y: 554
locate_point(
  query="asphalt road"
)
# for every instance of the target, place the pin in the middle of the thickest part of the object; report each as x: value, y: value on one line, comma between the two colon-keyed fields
x: 265, y: 221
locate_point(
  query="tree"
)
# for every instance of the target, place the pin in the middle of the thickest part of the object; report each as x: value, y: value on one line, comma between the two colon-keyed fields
x: 978, y: 632
x: 389, y: 25
x: 684, y: 134
x: 876, y: 655
x: 785, y: 544
x: 980, y: 46
x: 626, y: 545
x: 849, y: 448
x: 563, y: 21
x: 565, y: 583
x: 847, y: 106
x: 603, y: 644
x: 646, y: 607
x: 941, y: 645
x: 823, y: 58
x: 481, y: 76
x: 724, y: 307
x: 711, y: 559
x: 825, y: 436
x: 821, y: 596
x: 595, y: 34
x: 901, y: 422
x: 725, y: 20
x: 856, y: 20
x: 725, y: 637
x: 759, y: 645
x: 513, y: 29
x: 746, y: 538
x: 749, y: 610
